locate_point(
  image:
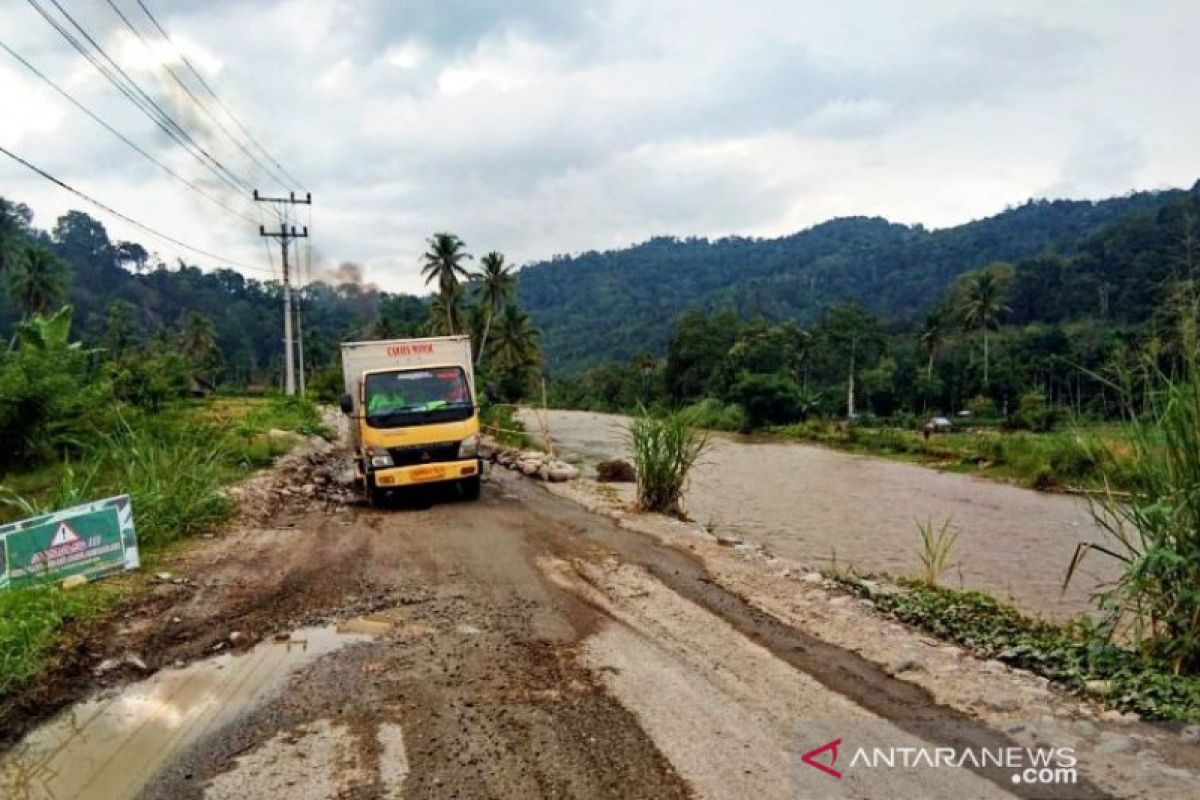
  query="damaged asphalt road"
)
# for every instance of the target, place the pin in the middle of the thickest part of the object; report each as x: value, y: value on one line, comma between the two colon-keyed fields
x: 514, y: 647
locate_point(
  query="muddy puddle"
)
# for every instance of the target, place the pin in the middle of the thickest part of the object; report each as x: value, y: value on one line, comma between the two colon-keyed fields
x: 111, y: 745
x: 832, y: 509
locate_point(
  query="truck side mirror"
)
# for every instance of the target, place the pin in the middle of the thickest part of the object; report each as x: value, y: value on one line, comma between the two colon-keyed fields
x: 347, y: 404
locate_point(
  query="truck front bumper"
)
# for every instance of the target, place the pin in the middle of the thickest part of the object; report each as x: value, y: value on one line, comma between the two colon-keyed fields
x: 426, y: 473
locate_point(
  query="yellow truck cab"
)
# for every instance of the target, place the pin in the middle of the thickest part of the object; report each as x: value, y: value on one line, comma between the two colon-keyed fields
x: 413, y: 411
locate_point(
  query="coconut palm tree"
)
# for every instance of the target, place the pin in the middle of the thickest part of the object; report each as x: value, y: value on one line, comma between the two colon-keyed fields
x: 516, y: 344
x: 446, y: 313
x: 981, y: 305
x: 37, y: 281
x: 8, y: 233
x: 931, y: 337
x: 443, y: 262
x: 198, y: 339
x: 495, y: 291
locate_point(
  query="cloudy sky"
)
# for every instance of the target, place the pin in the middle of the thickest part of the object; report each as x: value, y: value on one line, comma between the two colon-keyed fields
x: 546, y: 126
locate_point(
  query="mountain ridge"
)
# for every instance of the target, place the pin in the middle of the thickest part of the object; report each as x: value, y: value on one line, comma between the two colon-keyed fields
x: 893, y: 269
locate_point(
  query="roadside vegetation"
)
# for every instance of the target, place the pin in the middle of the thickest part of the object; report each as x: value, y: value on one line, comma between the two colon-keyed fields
x: 1154, y: 531
x: 1077, y: 657
x: 73, y: 431
x: 174, y: 465
x: 665, y: 448
x: 1141, y: 652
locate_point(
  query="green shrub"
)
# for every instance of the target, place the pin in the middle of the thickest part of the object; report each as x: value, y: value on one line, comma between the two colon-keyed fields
x: 710, y: 413
x: 49, y: 400
x: 148, y: 380
x: 768, y: 399
x: 1034, y: 413
x: 1071, y: 458
x: 665, y: 448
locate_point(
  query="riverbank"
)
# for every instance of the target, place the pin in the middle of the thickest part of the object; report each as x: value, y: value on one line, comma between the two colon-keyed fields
x: 844, y: 511
x: 1070, y: 461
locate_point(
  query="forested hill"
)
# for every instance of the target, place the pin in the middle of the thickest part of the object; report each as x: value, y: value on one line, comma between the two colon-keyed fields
x: 599, y: 307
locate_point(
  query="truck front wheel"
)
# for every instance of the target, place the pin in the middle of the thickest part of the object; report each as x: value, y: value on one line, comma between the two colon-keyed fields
x: 470, y: 487
x: 374, y: 496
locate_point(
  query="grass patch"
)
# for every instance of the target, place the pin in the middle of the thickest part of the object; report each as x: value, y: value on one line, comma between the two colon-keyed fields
x: 711, y: 414
x: 31, y: 619
x: 500, y: 420
x: 1068, y: 459
x: 1070, y: 655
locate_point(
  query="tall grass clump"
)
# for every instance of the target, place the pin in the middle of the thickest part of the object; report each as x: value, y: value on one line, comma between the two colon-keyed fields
x: 665, y: 448
x: 937, y: 546
x: 174, y: 476
x: 1155, y: 530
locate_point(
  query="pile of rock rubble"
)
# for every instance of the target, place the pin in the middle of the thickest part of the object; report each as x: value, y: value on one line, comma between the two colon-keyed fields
x: 532, y: 463
x: 316, y: 474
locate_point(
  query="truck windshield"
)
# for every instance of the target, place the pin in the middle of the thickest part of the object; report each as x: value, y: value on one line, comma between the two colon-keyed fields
x: 417, y: 396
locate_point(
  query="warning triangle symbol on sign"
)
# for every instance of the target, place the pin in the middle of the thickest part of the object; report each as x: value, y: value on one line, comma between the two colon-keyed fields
x: 64, y: 535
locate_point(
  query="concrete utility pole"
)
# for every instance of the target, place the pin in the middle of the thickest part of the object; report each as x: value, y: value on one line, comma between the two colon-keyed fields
x: 285, y: 235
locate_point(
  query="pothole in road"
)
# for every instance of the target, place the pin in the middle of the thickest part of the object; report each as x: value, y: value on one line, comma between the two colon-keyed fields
x: 110, y: 746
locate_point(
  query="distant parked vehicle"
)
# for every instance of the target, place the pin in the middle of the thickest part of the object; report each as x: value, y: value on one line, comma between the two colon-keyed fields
x: 939, y: 425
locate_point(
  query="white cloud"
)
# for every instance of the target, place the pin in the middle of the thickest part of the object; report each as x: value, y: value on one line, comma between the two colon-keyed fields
x: 551, y: 126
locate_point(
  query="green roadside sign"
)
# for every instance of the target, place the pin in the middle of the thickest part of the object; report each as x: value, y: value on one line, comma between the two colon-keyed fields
x: 92, y: 540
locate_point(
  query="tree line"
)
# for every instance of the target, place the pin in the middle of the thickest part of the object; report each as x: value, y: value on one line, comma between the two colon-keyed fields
x: 91, y: 326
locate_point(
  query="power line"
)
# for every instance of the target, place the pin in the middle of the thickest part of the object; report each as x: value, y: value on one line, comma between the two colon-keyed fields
x: 200, y: 104
x: 142, y: 226
x: 203, y: 83
x: 191, y: 185
x: 142, y: 93
x: 136, y: 95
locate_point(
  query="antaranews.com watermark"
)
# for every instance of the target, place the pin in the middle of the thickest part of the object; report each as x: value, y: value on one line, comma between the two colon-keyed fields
x: 832, y: 760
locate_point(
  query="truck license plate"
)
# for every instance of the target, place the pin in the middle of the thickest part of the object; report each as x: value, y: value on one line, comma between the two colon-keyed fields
x: 428, y: 473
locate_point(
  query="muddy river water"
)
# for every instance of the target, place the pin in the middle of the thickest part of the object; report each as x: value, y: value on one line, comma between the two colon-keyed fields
x: 826, y: 508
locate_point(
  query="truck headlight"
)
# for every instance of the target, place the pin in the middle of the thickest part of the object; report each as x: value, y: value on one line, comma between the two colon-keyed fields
x: 383, y: 459
x: 469, y: 447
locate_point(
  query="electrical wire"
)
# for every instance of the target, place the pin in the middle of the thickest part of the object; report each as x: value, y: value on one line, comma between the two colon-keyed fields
x: 109, y: 209
x: 146, y: 97
x: 199, y: 103
x: 207, y: 88
x: 136, y: 95
x: 190, y: 184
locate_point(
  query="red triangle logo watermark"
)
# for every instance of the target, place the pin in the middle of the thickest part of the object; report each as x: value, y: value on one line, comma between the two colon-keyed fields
x: 810, y: 758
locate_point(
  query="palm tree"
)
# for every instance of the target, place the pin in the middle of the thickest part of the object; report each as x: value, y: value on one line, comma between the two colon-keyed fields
x: 8, y: 233
x: 444, y: 263
x: 198, y: 340
x: 931, y: 337
x: 981, y: 305
x: 37, y: 281
x: 495, y: 291
x: 516, y: 344
x: 445, y: 314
